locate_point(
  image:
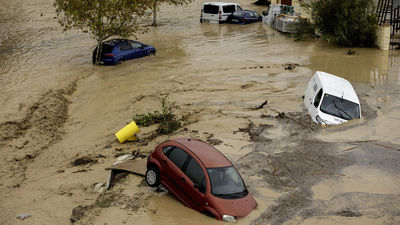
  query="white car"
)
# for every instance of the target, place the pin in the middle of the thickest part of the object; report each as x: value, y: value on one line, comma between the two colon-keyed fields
x: 217, y: 12
x: 331, y: 99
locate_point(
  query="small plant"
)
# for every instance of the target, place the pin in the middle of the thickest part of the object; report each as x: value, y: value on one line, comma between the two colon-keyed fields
x: 166, y: 119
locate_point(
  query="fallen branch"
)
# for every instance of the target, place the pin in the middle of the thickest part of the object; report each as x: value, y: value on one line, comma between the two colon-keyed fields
x: 351, y: 148
x: 283, y: 115
x: 387, y: 146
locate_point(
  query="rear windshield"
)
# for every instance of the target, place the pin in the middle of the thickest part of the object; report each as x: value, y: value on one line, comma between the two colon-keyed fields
x: 106, y: 48
x: 228, y: 8
x: 239, y: 13
x: 212, y: 9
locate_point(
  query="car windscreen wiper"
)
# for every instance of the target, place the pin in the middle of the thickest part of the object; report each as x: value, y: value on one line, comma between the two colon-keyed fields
x: 341, y: 110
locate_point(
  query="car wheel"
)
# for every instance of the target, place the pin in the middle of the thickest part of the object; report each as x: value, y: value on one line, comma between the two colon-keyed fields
x: 152, y: 177
x: 152, y: 53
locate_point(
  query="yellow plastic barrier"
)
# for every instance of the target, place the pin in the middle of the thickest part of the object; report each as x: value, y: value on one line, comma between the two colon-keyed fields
x: 127, y: 133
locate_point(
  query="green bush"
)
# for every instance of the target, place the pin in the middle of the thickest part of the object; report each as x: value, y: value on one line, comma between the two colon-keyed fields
x: 347, y: 23
x: 166, y: 119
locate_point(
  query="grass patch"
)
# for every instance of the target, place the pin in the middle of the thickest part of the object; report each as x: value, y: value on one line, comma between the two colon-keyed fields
x: 167, y: 121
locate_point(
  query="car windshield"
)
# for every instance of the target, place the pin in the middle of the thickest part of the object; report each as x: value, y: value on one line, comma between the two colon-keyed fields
x: 226, y: 182
x: 340, y: 107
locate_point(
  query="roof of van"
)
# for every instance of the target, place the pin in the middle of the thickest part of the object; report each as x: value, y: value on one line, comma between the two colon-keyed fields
x: 220, y: 3
x: 337, y: 86
x: 209, y: 155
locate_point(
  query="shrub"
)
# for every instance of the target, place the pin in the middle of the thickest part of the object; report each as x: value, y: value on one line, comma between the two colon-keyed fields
x: 166, y: 119
x: 347, y: 23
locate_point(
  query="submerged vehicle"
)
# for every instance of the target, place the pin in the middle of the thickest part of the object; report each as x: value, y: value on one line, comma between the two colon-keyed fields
x: 217, y: 12
x: 331, y: 99
x: 201, y: 177
x: 244, y: 17
x: 117, y: 50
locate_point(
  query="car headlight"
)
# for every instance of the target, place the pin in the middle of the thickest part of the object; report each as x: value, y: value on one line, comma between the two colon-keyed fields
x: 319, y: 120
x: 228, y: 218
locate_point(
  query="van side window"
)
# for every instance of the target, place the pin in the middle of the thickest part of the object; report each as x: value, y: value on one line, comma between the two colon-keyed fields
x: 195, y: 173
x: 318, y: 98
x: 228, y: 8
x: 212, y: 9
x: 178, y: 157
x: 239, y: 8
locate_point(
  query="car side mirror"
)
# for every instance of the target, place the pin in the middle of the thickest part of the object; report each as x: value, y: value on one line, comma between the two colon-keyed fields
x: 200, y: 188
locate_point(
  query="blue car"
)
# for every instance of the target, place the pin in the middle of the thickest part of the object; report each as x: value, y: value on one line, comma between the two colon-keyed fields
x: 244, y: 17
x: 117, y: 50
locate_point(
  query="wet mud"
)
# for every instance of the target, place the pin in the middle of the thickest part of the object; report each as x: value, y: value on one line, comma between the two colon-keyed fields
x: 238, y: 87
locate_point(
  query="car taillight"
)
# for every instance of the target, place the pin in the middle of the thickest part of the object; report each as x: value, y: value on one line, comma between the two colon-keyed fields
x: 109, y: 55
x: 220, y: 14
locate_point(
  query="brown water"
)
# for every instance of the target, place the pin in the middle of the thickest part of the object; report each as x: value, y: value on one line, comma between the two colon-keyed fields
x: 213, y: 72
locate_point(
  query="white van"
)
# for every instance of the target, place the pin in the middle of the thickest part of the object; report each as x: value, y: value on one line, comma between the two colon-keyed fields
x: 331, y: 99
x: 217, y: 12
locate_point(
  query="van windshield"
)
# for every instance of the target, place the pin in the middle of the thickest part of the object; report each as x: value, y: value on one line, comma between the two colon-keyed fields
x: 340, y: 107
x: 228, y: 8
x: 212, y: 9
x: 226, y: 183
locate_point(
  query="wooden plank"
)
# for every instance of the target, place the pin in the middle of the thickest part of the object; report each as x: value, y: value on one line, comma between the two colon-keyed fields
x: 137, y: 166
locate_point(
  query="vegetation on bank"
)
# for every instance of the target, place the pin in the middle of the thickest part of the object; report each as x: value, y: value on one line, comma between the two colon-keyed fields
x: 167, y: 121
x: 343, y: 22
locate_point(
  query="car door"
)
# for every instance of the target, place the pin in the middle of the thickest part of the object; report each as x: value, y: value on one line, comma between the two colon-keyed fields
x: 315, y: 103
x: 173, y: 161
x: 126, y: 50
x: 195, y: 184
x: 138, y: 48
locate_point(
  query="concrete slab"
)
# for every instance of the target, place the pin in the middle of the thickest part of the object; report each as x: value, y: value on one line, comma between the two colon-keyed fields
x: 137, y: 166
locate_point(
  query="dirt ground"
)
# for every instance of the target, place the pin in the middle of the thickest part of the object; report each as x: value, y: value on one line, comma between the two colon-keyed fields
x: 59, y: 114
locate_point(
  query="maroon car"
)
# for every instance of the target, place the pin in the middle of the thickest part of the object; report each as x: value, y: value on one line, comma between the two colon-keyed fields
x: 201, y: 177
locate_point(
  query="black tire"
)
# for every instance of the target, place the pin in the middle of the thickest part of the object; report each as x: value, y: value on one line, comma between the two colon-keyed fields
x: 152, y: 177
x: 151, y: 53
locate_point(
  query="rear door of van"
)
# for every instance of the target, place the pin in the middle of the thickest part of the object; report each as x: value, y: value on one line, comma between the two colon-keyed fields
x: 210, y: 13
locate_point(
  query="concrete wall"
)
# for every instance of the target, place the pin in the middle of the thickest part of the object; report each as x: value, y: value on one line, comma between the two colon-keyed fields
x: 383, y: 41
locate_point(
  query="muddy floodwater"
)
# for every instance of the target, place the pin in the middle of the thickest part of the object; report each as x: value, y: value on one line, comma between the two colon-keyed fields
x: 56, y: 107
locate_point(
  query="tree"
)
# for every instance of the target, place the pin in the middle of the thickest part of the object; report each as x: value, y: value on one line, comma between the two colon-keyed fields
x: 347, y: 23
x: 102, y: 18
x: 173, y: 2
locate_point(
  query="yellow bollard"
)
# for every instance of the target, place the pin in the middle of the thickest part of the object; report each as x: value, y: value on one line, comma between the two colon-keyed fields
x: 127, y: 133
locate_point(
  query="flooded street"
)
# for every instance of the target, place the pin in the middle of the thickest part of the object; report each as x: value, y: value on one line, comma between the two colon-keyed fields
x: 56, y: 107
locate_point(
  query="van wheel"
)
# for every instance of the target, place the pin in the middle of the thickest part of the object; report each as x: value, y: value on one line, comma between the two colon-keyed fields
x: 152, y: 177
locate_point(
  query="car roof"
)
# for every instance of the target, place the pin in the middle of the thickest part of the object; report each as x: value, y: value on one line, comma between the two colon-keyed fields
x: 220, y: 3
x: 208, y: 155
x: 337, y: 86
x: 115, y: 41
